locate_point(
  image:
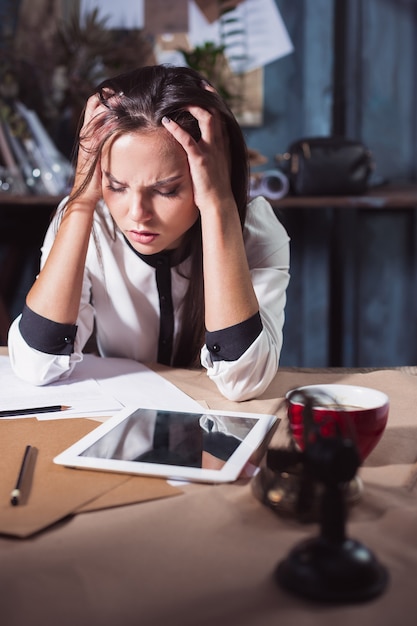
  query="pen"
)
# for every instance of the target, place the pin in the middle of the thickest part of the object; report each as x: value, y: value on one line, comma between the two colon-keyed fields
x: 17, y: 491
x: 33, y: 411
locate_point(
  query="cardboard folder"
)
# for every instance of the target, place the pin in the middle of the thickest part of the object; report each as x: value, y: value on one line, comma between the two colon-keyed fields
x: 53, y: 492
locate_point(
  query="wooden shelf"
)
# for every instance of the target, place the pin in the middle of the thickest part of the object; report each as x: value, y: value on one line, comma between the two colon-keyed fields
x: 382, y: 197
x: 29, y: 200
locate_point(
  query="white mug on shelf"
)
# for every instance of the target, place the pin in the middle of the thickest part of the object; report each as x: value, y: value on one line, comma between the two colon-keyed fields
x: 272, y: 184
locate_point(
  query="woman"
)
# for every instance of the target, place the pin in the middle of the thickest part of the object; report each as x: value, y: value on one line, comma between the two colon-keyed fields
x: 155, y: 248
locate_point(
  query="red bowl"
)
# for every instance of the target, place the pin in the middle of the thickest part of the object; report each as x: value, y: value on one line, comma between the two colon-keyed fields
x: 360, y: 413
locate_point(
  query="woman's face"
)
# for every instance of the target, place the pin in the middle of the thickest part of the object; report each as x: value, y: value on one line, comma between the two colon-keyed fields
x: 147, y: 186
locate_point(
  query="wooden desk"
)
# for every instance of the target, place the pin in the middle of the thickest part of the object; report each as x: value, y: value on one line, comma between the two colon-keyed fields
x: 207, y: 556
x: 23, y: 223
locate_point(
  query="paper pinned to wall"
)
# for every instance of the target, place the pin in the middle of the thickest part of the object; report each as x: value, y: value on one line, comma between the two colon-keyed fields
x: 266, y: 38
x: 120, y: 14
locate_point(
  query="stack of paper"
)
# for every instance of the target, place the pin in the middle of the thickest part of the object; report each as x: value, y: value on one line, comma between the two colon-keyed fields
x: 97, y: 387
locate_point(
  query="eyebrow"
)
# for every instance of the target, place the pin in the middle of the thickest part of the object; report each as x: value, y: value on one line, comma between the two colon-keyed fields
x: 156, y: 184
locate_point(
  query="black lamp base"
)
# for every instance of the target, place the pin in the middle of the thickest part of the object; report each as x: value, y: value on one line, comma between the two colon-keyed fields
x: 343, y: 572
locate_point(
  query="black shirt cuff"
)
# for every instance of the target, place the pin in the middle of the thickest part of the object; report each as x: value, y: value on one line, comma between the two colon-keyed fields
x: 45, y: 335
x: 228, y: 344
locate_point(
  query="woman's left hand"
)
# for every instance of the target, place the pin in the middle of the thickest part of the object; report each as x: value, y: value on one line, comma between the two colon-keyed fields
x: 208, y: 159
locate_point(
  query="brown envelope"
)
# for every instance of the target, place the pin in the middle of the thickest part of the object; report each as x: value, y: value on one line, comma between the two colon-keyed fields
x: 52, y: 492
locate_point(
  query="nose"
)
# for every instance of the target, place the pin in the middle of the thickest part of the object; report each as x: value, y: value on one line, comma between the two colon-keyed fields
x: 140, y: 208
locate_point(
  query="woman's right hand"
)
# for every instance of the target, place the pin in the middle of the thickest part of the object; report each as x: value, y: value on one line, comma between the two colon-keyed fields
x: 87, y: 185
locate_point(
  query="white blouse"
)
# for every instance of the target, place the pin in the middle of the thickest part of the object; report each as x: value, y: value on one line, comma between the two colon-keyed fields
x: 120, y: 297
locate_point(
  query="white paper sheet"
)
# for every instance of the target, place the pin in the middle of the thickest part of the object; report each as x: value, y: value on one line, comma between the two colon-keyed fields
x: 119, y: 14
x: 265, y: 39
x: 96, y: 387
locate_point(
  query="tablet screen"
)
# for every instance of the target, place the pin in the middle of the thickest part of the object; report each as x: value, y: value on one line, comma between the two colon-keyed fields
x: 173, y: 438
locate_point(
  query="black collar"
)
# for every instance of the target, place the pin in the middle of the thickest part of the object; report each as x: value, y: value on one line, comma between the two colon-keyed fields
x: 165, y: 257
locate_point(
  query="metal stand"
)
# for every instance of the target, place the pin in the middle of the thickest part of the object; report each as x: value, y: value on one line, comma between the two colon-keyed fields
x: 332, y: 567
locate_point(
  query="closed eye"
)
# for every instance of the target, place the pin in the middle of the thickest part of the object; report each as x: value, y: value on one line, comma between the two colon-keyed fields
x: 114, y: 189
x: 171, y: 193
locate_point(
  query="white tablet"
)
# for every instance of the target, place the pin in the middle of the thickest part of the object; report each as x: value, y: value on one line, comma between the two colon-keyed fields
x: 206, y: 446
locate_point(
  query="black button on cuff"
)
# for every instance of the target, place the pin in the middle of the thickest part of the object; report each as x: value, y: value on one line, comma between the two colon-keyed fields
x: 228, y: 344
x: 45, y: 335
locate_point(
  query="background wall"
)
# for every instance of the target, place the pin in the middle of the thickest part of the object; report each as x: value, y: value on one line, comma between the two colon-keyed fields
x: 352, y: 73
x: 368, y: 90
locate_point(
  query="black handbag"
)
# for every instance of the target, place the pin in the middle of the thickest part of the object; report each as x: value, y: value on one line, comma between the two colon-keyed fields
x: 323, y: 166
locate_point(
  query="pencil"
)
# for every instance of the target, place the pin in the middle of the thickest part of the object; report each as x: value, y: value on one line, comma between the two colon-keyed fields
x: 16, y: 493
x: 33, y: 411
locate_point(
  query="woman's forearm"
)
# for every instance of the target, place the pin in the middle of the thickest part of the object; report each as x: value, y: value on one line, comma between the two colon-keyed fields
x: 229, y: 294
x: 56, y: 292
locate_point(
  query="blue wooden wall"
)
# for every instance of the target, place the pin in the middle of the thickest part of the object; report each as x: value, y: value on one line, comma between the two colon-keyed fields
x: 298, y: 87
x: 372, y: 98
x: 380, y: 81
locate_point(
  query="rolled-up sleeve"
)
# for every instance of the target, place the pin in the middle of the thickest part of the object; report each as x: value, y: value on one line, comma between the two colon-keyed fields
x: 45, y: 335
x: 228, y: 344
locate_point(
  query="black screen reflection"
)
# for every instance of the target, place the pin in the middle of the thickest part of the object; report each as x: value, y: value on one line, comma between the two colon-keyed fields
x: 173, y: 438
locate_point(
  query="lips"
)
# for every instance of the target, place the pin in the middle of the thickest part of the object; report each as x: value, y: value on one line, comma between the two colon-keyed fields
x: 143, y: 237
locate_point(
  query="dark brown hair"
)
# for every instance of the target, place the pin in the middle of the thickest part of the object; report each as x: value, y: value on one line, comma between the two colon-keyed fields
x: 138, y: 100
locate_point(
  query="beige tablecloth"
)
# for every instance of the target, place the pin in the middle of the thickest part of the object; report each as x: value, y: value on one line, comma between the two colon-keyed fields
x: 207, y: 557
